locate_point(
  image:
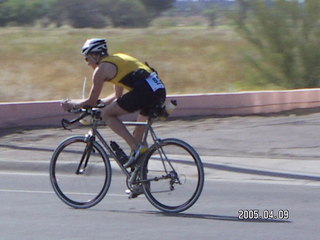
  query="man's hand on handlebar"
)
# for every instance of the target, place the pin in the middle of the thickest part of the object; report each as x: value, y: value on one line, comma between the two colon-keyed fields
x: 67, y: 104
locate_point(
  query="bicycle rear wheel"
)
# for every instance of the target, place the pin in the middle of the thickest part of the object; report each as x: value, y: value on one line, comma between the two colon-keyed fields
x: 80, y: 172
x: 172, y: 175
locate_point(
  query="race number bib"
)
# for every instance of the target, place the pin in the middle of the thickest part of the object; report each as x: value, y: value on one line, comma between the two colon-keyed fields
x: 154, y: 82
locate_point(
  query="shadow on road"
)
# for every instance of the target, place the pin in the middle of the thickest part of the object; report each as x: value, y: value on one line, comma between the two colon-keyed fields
x: 24, y: 148
x: 221, y: 217
x: 201, y: 216
x: 205, y: 164
x: 259, y: 172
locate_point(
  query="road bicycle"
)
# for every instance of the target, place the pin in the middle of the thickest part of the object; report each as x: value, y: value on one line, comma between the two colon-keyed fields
x: 170, y: 174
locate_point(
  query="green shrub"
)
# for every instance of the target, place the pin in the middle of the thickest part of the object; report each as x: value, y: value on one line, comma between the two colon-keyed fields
x: 286, y: 35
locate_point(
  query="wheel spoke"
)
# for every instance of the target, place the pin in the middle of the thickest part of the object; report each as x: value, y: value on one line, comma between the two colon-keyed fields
x: 173, y: 175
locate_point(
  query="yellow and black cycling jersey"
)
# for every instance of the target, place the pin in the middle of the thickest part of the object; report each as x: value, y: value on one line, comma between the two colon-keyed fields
x: 127, y: 70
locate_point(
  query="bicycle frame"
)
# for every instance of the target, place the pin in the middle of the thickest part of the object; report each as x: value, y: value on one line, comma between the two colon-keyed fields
x: 93, y: 133
x: 145, y: 176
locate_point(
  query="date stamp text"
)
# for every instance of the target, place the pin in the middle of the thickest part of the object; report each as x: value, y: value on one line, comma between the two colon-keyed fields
x: 255, y: 214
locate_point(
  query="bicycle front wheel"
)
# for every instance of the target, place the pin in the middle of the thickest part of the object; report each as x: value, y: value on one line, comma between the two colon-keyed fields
x: 80, y: 172
x: 172, y: 175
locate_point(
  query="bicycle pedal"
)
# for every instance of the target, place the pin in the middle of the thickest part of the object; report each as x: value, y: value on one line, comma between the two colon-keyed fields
x: 131, y: 194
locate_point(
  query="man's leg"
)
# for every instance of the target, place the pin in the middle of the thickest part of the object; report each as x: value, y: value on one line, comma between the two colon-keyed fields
x: 139, y: 130
x: 110, y: 115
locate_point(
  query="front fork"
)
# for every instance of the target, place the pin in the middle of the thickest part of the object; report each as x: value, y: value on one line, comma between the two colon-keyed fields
x: 89, y: 140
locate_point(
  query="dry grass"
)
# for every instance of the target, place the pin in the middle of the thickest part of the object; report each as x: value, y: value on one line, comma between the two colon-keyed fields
x: 46, y: 64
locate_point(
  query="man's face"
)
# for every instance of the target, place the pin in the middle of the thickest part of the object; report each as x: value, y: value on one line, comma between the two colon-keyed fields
x: 92, y: 60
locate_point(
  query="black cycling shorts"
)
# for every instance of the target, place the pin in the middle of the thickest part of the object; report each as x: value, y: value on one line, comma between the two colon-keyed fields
x: 142, y: 98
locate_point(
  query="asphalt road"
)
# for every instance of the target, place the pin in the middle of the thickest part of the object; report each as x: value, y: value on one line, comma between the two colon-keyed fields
x: 251, y: 163
x: 30, y: 210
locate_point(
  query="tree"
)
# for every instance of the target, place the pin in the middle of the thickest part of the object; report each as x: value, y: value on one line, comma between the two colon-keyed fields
x: 286, y: 35
x: 128, y: 13
x: 78, y: 13
x: 19, y: 12
x: 133, y: 13
x: 211, y: 14
x: 82, y: 13
x: 155, y: 7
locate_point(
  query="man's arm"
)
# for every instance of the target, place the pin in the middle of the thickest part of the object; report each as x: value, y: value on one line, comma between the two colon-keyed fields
x: 118, y: 91
x: 100, y: 74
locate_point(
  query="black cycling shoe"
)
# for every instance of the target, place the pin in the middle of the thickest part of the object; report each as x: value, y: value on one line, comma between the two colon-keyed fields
x: 135, y: 192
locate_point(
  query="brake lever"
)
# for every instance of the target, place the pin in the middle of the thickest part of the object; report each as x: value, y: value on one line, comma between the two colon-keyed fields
x: 65, y: 121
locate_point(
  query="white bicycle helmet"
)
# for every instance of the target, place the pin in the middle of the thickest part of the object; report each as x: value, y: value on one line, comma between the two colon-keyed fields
x: 96, y: 45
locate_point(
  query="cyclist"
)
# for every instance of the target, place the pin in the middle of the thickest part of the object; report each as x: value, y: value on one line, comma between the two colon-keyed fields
x: 144, y: 91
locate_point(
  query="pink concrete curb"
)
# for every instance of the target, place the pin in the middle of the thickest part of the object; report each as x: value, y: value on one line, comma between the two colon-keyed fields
x: 49, y: 113
x: 246, y: 103
x: 17, y: 114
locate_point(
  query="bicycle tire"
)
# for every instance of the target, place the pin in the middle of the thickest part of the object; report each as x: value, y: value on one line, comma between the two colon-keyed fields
x: 80, y: 187
x: 172, y: 175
